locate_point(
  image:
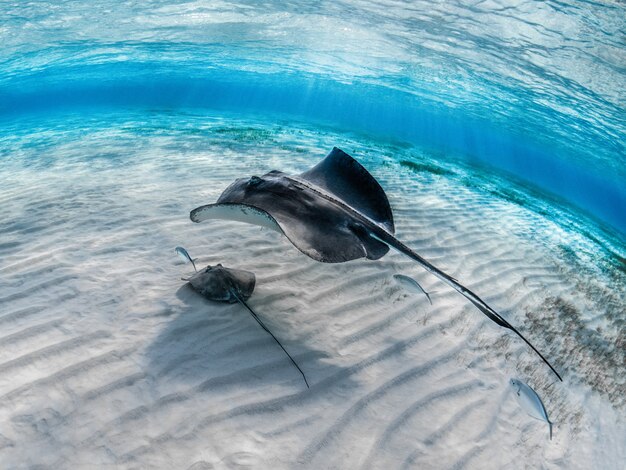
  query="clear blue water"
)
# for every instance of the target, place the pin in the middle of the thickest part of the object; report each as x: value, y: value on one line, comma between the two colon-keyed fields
x: 498, y: 130
x: 532, y: 88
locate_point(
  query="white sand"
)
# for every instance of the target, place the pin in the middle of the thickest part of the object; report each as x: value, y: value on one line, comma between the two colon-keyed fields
x: 107, y: 360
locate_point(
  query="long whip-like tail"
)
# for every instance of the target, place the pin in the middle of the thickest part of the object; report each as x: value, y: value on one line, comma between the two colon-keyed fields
x: 477, y: 301
x: 258, y: 320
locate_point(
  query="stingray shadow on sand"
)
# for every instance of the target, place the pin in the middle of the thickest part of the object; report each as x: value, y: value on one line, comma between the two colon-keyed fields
x: 219, y: 345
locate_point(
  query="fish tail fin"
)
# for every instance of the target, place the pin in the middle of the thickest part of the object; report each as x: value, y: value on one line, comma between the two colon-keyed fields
x: 428, y: 297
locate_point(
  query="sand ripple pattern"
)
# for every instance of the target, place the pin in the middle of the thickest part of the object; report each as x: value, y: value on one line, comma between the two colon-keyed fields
x: 106, y: 359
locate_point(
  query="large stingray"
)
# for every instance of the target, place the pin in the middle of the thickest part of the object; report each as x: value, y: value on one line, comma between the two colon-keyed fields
x: 223, y: 284
x: 334, y: 212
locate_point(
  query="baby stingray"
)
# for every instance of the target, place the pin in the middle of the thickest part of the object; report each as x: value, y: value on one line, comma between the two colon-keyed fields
x: 228, y: 285
x: 334, y: 212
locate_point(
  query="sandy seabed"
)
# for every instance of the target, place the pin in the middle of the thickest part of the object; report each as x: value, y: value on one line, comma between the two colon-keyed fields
x: 107, y: 360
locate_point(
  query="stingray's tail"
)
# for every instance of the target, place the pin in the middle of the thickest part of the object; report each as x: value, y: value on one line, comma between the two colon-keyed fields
x: 550, y: 425
x: 258, y: 320
x: 477, y: 301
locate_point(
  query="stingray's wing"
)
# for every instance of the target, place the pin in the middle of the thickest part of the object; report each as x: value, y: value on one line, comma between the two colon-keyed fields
x: 242, y: 282
x: 343, y: 176
x: 237, y: 212
x: 328, y: 239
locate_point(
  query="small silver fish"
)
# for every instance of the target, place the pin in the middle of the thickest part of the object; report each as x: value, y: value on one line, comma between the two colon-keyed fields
x: 185, y: 256
x: 411, y: 285
x: 530, y: 402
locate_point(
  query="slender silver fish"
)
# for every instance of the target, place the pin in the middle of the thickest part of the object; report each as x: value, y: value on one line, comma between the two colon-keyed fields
x: 184, y: 255
x: 530, y: 402
x: 411, y: 285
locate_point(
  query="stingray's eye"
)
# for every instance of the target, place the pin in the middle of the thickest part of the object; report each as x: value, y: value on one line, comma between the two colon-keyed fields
x: 254, y: 181
x: 356, y: 228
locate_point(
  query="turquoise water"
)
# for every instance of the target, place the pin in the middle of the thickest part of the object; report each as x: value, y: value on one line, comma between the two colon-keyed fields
x: 497, y: 129
x: 531, y: 88
x: 105, y: 350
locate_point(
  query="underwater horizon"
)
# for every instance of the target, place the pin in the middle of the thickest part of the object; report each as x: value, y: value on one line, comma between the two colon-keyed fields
x: 496, y: 128
x: 533, y: 88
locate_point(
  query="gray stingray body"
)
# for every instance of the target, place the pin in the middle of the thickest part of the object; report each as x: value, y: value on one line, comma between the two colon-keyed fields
x: 334, y: 212
x: 223, y: 284
x: 308, y: 212
x: 230, y: 285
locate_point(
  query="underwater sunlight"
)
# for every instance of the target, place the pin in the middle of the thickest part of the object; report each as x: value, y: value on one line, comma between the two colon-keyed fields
x: 457, y: 269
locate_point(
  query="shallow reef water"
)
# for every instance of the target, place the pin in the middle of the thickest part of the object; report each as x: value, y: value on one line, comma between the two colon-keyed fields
x: 496, y: 129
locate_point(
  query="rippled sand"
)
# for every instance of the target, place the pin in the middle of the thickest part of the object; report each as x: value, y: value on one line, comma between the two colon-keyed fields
x: 106, y: 358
